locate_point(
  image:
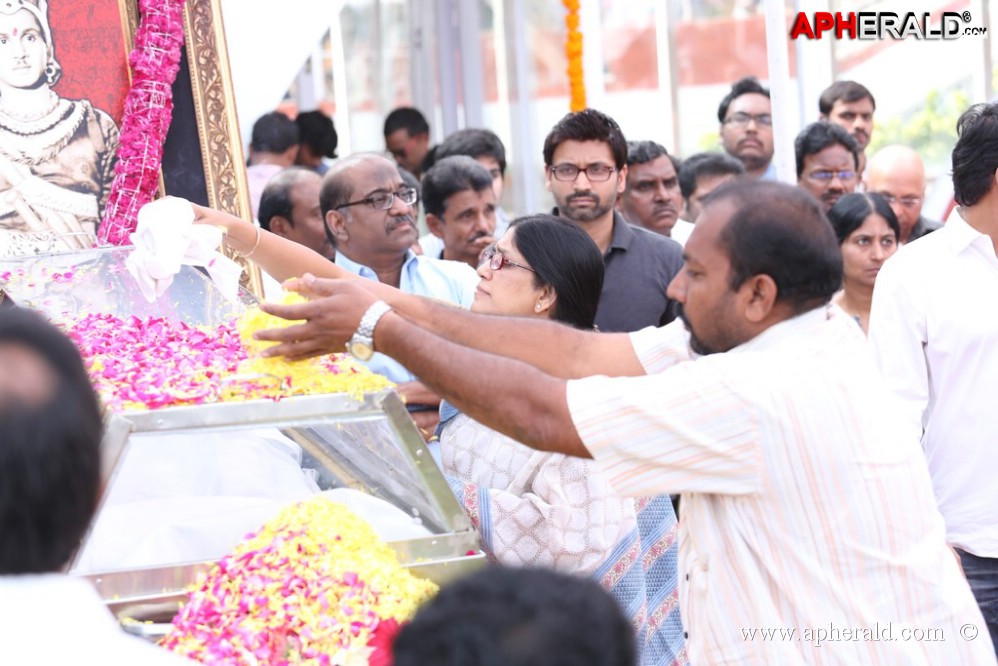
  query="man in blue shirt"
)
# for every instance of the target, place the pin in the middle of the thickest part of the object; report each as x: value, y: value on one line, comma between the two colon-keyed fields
x: 368, y: 214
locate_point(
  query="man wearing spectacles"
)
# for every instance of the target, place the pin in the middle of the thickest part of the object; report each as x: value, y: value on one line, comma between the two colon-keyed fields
x: 585, y: 160
x: 827, y: 162
x: 896, y: 173
x: 746, y: 128
x: 368, y: 214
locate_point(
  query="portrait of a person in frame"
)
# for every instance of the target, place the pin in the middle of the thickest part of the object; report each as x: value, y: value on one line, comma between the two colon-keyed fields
x: 56, y: 154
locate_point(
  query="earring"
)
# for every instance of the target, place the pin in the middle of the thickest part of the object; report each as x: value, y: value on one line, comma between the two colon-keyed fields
x: 50, y: 73
x: 537, y: 308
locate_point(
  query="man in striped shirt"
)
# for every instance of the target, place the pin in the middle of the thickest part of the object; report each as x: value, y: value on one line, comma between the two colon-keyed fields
x: 809, y: 531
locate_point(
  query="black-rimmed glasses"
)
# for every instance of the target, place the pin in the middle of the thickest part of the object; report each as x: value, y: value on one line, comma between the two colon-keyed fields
x: 596, y: 173
x: 385, y: 200
x: 496, y: 260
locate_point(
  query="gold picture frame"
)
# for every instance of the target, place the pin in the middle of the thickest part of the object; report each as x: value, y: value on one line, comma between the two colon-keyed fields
x: 217, y: 124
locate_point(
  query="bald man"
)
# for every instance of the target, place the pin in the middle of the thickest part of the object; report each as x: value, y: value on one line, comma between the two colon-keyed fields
x: 896, y: 173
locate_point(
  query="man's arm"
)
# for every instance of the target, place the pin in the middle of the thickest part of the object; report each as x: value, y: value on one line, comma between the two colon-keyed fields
x: 556, y: 349
x: 505, y: 394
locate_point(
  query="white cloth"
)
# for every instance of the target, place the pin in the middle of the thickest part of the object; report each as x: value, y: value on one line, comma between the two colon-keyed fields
x: 681, y: 231
x: 451, y: 281
x: 388, y: 521
x: 55, y: 620
x: 806, y: 505
x: 180, y: 498
x: 934, y: 333
x: 166, y: 238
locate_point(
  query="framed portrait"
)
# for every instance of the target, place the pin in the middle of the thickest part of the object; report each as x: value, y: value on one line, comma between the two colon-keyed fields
x: 61, y: 105
x: 64, y: 79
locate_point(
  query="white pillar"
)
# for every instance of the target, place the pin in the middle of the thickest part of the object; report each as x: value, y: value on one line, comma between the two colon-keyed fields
x: 524, y: 145
x: 668, y: 75
x: 777, y: 35
x: 817, y: 58
x: 422, y: 64
x: 447, y: 44
x: 469, y: 61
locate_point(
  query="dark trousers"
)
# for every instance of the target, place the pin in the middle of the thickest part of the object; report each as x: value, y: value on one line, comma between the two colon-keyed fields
x: 982, y: 574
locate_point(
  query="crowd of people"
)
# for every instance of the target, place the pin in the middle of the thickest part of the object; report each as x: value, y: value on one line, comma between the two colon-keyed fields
x: 675, y: 332
x: 806, y: 497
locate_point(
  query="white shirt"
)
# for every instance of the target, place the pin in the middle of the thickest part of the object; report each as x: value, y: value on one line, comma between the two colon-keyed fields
x: 451, y: 281
x: 806, y: 505
x: 55, y: 620
x: 934, y: 333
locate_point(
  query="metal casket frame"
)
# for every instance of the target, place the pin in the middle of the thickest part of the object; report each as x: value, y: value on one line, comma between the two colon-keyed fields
x: 405, y: 475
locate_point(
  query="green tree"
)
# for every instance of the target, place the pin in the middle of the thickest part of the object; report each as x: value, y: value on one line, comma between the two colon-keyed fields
x: 930, y: 130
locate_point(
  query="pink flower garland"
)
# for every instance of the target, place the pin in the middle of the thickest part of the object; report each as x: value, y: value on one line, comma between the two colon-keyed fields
x: 155, y: 62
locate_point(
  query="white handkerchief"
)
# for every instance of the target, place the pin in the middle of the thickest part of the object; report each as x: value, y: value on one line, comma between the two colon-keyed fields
x: 166, y: 238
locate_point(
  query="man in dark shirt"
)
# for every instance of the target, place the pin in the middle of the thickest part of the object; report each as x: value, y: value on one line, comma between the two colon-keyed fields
x: 585, y: 160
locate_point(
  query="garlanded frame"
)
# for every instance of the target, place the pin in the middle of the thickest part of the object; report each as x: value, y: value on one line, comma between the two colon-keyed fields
x: 204, y: 99
x: 202, y: 153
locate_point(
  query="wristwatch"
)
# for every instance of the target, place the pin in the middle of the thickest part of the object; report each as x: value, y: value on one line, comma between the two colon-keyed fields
x: 361, y: 345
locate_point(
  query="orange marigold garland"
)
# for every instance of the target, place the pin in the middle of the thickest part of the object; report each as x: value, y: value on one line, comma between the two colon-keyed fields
x: 573, y: 51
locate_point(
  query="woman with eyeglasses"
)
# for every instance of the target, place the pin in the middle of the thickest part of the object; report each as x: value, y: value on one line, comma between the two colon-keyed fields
x: 868, y: 234
x: 532, y: 508
x: 545, y: 509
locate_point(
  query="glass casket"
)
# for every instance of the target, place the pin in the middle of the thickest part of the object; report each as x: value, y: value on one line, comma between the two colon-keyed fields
x: 182, y: 485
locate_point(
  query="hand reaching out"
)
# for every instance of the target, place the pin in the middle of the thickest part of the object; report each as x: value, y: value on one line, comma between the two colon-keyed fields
x: 331, y: 317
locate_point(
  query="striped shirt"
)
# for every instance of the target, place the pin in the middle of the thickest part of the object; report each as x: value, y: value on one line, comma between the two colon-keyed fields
x: 539, y: 509
x: 809, y: 532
